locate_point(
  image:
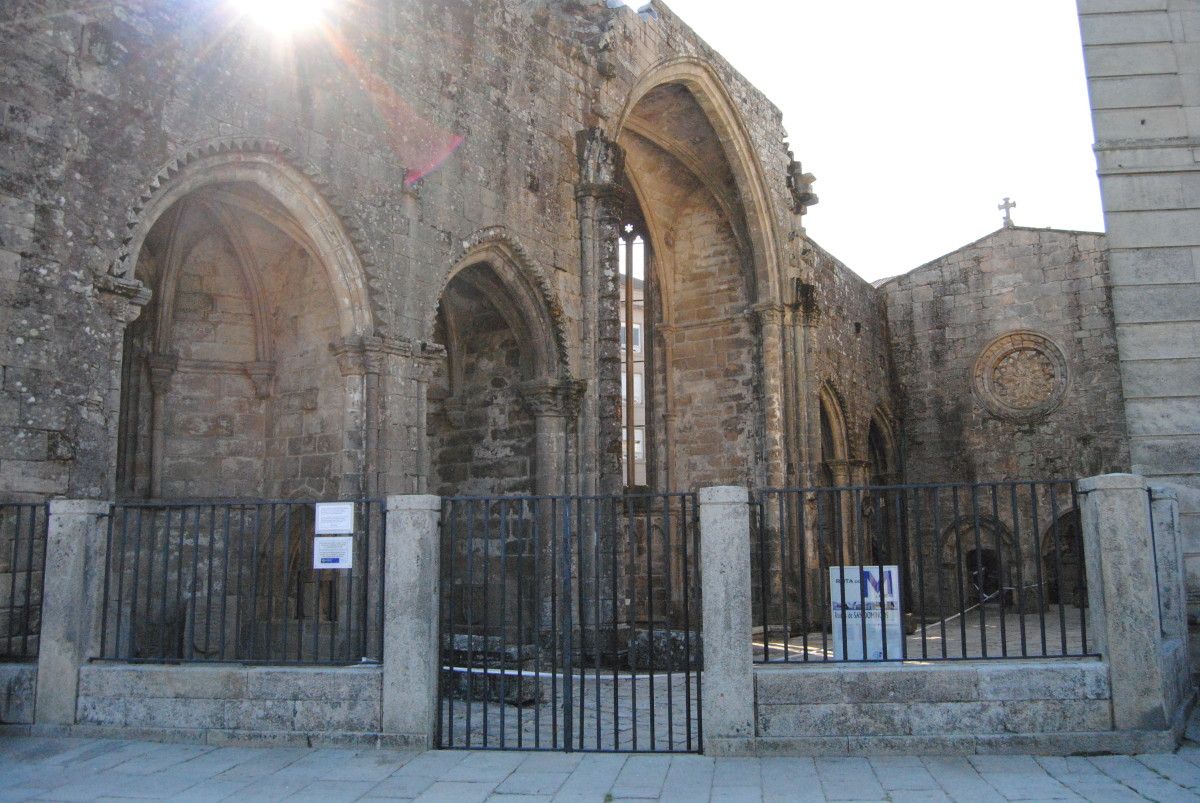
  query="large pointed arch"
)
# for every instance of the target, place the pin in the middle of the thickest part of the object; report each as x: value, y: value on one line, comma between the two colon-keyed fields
x: 715, y: 100
x: 303, y: 212
x: 524, y: 294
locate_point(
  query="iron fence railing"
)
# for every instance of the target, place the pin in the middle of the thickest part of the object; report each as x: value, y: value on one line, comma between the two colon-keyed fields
x: 235, y: 581
x: 571, y: 623
x: 919, y: 572
x: 23, y: 531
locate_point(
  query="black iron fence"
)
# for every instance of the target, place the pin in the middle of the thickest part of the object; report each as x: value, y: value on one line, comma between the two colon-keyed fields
x: 571, y: 623
x: 235, y: 581
x: 919, y: 572
x: 22, y: 564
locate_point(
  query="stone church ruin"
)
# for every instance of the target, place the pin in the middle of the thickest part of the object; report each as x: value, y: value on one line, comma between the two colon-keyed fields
x: 547, y: 262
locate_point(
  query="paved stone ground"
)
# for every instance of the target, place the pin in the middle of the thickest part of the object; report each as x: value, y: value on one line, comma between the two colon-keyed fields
x: 1043, y: 635
x: 92, y: 769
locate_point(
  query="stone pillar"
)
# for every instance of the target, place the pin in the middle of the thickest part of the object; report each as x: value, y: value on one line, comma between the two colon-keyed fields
x: 600, y: 202
x: 1168, y: 548
x: 728, y: 696
x: 71, y: 605
x: 769, y: 318
x: 1123, y: 597
x: 552, y: 404
x: 410, y: 619
x: 161, y: 369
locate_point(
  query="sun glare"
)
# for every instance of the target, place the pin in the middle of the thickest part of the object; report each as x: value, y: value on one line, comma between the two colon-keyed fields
x: 285, y: 16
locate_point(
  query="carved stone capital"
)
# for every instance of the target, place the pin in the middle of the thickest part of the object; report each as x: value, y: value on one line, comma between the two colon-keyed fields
x: 768, y: 314
x: 261, y: 375
x: 123, y: 299
x: 553, y: 399
x: 161, y: 368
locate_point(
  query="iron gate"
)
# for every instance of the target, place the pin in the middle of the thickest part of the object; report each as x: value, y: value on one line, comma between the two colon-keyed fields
x: 570, y: 623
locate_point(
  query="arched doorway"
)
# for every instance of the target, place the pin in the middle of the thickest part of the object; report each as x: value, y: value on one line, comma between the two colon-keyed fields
x: 1063, y: 574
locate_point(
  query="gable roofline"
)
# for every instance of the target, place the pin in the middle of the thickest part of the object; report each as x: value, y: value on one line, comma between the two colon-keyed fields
x: 879, y: 283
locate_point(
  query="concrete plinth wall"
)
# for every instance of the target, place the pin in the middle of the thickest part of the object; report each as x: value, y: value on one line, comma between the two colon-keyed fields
x: 231, y: 704
x: 1042, y: 707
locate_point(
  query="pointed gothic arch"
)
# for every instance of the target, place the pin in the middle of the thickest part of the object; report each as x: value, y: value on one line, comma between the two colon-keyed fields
x: 714, y: 98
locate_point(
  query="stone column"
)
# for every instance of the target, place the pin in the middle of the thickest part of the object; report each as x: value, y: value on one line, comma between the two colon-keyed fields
x: 769, y: 318
x: 161, y: 369
x: 552, y: 404
x: 728, y: 696
x: 71, y: 605
x: 354, y: 463
x: 600, y: 201
x: 411, y: 654
x: 1123, y: 597
x: 123, y: 300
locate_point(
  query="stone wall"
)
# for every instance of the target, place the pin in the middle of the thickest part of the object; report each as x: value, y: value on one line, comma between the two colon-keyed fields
x: 850, y: 356
x: 408, y: 152
x: 224, y: 704
x: 1144, y: 83
x: 1006, y: 360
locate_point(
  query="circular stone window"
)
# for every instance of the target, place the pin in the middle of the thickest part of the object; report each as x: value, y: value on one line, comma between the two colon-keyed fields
x: 1021, y: 376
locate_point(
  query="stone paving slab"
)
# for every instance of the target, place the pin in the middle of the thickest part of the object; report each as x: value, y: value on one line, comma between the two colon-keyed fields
x: 90, y: 770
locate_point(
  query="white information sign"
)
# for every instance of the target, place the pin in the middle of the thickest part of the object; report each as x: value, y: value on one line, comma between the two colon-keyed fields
x: 335, y: 518
x: 333, y: 552
x: 870, y: 605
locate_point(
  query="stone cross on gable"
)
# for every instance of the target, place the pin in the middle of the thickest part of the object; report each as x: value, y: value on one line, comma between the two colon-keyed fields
x: 1007, y: 208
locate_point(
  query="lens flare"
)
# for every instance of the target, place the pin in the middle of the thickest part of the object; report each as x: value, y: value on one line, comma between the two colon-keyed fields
x: 285, y: 16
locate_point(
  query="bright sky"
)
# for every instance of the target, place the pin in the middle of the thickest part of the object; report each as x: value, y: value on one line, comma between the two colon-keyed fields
x: 918, y: 118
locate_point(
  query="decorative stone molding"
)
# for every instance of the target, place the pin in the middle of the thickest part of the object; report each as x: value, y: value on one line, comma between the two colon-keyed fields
x: 1021, y: 376
x: 367, y: 355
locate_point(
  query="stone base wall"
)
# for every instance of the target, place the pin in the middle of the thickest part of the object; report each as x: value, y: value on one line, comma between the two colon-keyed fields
x: 231, y: 704
x: 17, y: 683
x: 1046, y: 707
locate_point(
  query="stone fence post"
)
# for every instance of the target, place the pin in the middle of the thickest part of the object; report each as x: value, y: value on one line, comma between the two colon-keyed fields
x: 1126, y: 625
x: 728, y: 696
x: 410, y: 619
x: 73, y: 590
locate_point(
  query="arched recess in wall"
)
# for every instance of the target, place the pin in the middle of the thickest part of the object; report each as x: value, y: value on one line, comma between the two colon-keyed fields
x: 834, y: 441
x: 697, y: 204
x: 1063, y: 576
x: 979, y: 563
x: 504, y: 365
x: 882, y: 455
x: 229, y: 385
